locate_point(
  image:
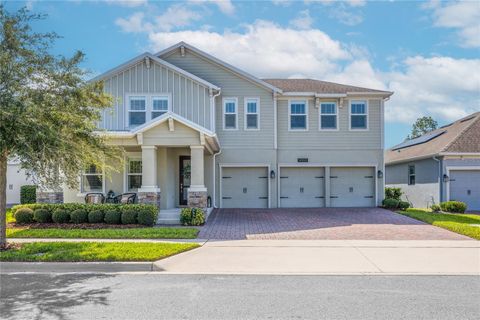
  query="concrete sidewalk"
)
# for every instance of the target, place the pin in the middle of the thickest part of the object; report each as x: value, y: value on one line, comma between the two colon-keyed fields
x: 328, y: 257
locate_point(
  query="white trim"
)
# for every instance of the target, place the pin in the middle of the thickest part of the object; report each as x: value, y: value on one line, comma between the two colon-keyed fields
x: 224, y: 99
x: 290, y: 114
x: 244, y: 165
x: 149, y: 97
x: 455, y: 168
x: 350, y: 115
x: 83, y: 192
x: 245, y: 113
x: 275, y: 125
x: 370, y: 93
x: 328, y: 114
x: 130, y: 156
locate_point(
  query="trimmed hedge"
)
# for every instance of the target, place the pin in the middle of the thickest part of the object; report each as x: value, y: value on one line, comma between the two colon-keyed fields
x: 113, y: 217
x: 24, y: 215
x: 395, y: 204
x: 453, y: 206
x: 436, y: 208
x: 129, y: 216
x: 42, y: 215
x: 28, y: 194
x: 192, y: 217
x: 79, y: 216
x: 96, y: 216
x: 61, y: 216
x: 393, y: 193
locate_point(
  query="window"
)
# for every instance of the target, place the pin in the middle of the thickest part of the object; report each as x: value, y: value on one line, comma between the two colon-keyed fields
x: 159, y: 106
x: 411, y: 175
x: 137, y: 113
x: 298, y: 115
x: 92, y: 179
x: 230, y: 114
x: 134, y: 174
x: 328, y: 116
x: 251, y: 113
x: 358, y: 115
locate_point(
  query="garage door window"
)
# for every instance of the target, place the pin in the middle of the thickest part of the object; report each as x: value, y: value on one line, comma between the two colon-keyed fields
x: 411, y: 175
x: 298, y: 115
x: 358, y: 115
x: 230, y: 114
x: 328, y: 116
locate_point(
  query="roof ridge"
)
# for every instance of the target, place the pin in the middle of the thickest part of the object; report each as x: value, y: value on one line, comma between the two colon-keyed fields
x: 462, y: 131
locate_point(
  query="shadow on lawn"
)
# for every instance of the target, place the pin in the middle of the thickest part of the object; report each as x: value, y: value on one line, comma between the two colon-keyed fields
x: 42, y: 296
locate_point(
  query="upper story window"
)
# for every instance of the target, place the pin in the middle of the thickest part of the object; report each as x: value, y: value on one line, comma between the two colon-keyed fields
x: 230, y: 113
x: 411, y: 175
x: 92, y: 179
x: 134, y: 174
x: 328, y: 116
x: 144, y: 108
x: 358, y: 115
x: 159, y: 106
x: 298, y: 115
x: 137, y: 111
x: 252, y: 112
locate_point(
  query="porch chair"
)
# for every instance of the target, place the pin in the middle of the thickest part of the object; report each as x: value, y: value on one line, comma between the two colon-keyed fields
x: 126, y: 198
x: 94, y: 197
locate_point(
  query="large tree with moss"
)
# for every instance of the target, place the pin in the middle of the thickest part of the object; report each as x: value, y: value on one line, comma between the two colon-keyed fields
x: 48, y: 111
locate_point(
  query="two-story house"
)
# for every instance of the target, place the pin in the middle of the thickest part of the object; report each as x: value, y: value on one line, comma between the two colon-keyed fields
x: 200, y: 132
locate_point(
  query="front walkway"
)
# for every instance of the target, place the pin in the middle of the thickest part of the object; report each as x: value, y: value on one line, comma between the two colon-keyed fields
x: 319, y: 224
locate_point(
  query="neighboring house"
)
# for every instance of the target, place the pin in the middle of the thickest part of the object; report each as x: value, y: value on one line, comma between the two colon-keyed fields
x: 16, y: 177
x: 439, y: 166
x: 198, y: 131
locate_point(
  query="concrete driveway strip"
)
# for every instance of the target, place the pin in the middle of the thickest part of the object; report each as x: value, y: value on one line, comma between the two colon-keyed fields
x: 327, y: 257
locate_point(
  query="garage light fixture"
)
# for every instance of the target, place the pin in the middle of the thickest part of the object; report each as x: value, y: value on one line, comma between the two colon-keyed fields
x: 380, y: 174
x: 446, y: 178
x: 272, y: 174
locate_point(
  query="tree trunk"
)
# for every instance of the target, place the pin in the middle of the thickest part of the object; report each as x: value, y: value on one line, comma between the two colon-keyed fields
x: 3, y: 200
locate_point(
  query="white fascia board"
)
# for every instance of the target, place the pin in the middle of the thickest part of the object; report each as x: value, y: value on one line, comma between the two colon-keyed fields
x: 384, y: 94
x: 459, y: 153
x: 297, y: 94
x: 387, y: 163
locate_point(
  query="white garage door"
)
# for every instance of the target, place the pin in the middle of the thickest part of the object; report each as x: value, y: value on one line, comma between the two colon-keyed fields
x: 302, y: 187
x: 244, y: 187
x: 465, y: 187
x: 352, y: 187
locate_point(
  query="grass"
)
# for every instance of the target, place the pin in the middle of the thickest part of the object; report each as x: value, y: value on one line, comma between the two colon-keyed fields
x: 459, y: 223
x: 93, y: 251
x: 129, y: 233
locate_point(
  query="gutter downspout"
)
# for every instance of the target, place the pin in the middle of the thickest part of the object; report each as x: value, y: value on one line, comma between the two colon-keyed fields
x: 214, y: 202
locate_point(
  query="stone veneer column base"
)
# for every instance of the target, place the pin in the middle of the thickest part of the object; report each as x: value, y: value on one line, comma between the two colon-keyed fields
x: 49, y: 196
x: 197, y: 199
x: 149, y: 198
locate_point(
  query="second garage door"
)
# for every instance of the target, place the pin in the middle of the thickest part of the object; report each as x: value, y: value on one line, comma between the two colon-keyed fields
x: 352, y: 187
x: 245, y: 187
x: 465, y: 187
x: 302, y: 187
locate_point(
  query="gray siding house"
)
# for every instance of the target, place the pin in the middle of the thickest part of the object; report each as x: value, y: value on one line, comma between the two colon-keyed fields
x: 439, y: 166
x: 200, y: 132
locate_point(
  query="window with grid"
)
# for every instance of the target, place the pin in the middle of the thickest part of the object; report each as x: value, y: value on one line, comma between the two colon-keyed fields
x: 411, y: 175
x: 230, y: 114
x: 92, y: 179
x: 137, y: 112
x: 134, y: 174
x: 298, y: 115
x: 159, y: 106
x: 358, y: 115
x: 328, y: 116
x: 251, y: 114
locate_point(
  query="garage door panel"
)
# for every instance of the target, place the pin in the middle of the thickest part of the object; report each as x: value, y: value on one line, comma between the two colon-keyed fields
x: 465, y: 187
x: 244, y: 187
x: 302, y: 187
x: 352, y: 187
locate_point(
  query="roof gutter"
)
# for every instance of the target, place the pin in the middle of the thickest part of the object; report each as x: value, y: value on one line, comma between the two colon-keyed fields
x: 411, y: 159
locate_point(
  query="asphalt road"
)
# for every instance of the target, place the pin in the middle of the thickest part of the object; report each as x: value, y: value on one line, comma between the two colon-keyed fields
x: 156, y: 296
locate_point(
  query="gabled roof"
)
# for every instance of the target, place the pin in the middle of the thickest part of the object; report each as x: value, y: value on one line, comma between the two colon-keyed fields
x: 154, y: 58
x: 461, y: 136
x: 321, y: 87
x: 217, y: 61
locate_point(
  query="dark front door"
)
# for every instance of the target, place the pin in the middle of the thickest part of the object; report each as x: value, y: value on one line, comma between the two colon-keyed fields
x: 184, y: 179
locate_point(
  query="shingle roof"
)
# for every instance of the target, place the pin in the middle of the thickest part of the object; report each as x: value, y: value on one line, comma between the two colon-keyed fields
x: 460, y: 136
x: 317, y: 86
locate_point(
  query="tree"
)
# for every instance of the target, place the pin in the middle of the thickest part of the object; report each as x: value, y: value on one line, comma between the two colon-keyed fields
x: 48, y: 111
x: 421, y: 126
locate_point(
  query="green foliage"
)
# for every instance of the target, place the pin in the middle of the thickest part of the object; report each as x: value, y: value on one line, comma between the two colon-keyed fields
x: 61, y: 216
x: 96, y: 216
x: 79, y: 216
x: 129, y: 216
x: 192, y: 217
x: 28, y: 194
x: 147, y: 217
x: 390, y: 203
x: 112, y: 216
x: 393, y: 193
x: 436, y: 208
x: 453, y: 206
x: 422, y: 126
x: 403, y: 205
x: 42, y: 216
x: 24, y: 215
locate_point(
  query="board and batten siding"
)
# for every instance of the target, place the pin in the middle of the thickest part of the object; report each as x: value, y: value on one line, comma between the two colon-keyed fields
x: 232, y: 85
x: 343, y: 138
x: 189, y: 98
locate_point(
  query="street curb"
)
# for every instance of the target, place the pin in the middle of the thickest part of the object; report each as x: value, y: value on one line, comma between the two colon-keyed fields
x: 66, y: 267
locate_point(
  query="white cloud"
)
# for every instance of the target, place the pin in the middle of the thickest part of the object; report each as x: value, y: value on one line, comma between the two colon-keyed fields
x: 225, y: 6
x: 133, y: 24
x: 346, y: 15
x: 283, y: 3
x: 303, y: 20
x: 127, y: 3
x: 351, y: 3
x: 463, y: 16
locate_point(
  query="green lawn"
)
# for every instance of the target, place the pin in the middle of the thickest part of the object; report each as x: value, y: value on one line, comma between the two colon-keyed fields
x: 459, y: 223
x: 129, y: 233
x: 94, y: 251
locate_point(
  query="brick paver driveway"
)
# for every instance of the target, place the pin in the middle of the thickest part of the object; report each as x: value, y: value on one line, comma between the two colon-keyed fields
x: 319, y: 224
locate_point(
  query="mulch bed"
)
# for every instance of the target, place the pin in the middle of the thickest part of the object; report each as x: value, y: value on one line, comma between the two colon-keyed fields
x: 74, y: 226
x: 11, y: 246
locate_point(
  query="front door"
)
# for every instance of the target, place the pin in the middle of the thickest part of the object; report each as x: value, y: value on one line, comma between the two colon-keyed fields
x: 184, y: 184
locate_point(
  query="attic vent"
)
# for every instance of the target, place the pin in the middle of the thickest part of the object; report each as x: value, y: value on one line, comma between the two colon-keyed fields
x: 468, y: 119
x: 147, y: 62
x: 182, y: 51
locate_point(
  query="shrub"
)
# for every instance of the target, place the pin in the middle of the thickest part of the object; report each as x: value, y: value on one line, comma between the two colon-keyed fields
x: 129, y: 216
x: 192, y: 217
x: 393, y: 193
x: 96, y: 216
x: 42, y: 216
x: 390, y: 203
x: 61, y: 216
x: 403, y: 205
x: 147, y: 216
x: 24, y: 215
x: 453, y: 206
x: 436, y: 208
x: 28, y: 194
x: 79, y: 216
x: 112, y: 216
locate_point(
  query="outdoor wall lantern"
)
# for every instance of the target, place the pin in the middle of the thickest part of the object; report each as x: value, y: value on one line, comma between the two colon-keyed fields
x: 446, y: 178
x: 380, y: 174
x: 272, y: 174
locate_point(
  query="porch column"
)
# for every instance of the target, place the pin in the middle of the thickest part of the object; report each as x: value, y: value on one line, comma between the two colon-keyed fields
x: 197, y: 193
x: 149, y: 193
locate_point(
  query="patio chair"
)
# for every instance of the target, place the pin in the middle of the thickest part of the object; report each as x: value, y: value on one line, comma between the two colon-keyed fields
x: 126, y: 198
x: 94, y: 197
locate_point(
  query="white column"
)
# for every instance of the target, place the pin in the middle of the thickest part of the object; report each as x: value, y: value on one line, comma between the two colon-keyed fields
x: 197, y: 168
x: 149, y: 169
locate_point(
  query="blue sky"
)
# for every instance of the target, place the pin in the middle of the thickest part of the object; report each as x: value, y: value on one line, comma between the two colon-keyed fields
x: 428, y: 53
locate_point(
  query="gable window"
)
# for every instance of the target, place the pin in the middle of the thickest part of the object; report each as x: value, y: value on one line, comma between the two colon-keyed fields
x: 298, y: 115
x: 137, y: 112
x: 251, y: 113
x: 358, y: 115
x: 92, y: 179
x: 230, y: 113
x: 328, y: 116
x: 159, y: 106
x: 411, y: 175
x: 134, y: 174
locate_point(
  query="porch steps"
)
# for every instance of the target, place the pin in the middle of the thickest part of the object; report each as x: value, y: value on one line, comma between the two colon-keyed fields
x: 172, y: 216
